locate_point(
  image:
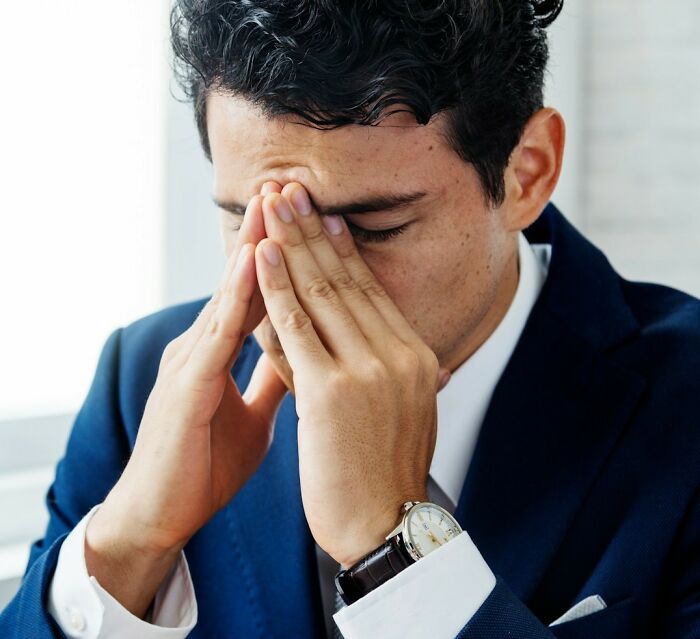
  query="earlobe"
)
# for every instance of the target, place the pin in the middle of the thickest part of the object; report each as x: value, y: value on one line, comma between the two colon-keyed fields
x: 535, y: 167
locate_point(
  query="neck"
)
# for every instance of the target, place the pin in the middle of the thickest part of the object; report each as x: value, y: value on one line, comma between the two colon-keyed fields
x: 503, y: 298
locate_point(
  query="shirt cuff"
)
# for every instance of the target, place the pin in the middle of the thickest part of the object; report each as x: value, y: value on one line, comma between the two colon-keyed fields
x: 434, y: 597
x: 84, y: 609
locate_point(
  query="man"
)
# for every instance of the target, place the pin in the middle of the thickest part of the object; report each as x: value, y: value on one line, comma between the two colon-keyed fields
x: 371, y: 264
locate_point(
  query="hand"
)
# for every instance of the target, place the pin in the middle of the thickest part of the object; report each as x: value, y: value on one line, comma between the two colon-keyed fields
x: 365, y: 382
x: 198, y: 442
x: 265, y: 333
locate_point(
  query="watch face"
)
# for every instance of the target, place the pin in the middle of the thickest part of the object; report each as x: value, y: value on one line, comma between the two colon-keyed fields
x: 427, y: 527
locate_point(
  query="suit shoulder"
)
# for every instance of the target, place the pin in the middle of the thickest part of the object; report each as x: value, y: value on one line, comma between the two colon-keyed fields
x: 140, y: 350
x: 162, y: 326
x: 666, y: 349
x: 144, y: 340
x: 666, y: 316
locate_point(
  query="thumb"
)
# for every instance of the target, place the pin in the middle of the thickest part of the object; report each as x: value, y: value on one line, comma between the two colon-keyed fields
x: 266, y: 390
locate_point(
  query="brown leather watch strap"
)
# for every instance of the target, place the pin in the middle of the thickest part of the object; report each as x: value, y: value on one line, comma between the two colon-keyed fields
x: 372, y: 570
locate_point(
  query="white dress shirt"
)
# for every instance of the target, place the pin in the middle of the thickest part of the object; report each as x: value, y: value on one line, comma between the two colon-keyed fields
x: 459, y: 578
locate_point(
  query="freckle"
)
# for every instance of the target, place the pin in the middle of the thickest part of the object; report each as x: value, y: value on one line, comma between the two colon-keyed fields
x: 477, y: 272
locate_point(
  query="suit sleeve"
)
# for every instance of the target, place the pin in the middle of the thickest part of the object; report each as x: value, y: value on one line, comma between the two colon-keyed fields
x: 680, y: 606
x: 96, y: 453
x: 504, y: 615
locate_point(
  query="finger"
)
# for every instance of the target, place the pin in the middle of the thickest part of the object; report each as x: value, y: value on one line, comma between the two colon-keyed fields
x: 185, y: 342
x: 222, y: 337
x: 252, y: 231
x: 293, y: 325
x: 270, y: 187
x: 252, y: 228
x: 266, y: 390
x: 268, y: 340
x: 346, y: 249
x: 376, y: 330
x: 330, y: 316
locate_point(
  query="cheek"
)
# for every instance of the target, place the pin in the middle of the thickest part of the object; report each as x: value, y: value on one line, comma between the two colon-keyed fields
x: 404, y: 276
x: 229, y: 238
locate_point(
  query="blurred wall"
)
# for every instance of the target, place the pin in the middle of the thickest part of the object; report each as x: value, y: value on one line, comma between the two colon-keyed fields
x: 642, y: 133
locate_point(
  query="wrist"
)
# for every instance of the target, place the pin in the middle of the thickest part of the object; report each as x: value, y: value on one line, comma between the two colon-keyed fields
x: 372, y: 534
x: 108, y: 533
x: 424, y: 527
x: 128, y: 570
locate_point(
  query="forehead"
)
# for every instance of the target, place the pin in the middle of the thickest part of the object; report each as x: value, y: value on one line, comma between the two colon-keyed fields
x: 248, y: 149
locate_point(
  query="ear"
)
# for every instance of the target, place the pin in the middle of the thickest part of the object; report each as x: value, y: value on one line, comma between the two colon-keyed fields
x: 534, y: 168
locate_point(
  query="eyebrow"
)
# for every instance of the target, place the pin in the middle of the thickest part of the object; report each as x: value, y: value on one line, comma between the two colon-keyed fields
x: 371, y: 204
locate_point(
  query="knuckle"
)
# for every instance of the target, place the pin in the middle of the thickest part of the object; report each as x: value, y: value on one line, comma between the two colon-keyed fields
x: 229, y: 295
x: 315, y: 236
x: 345, y: 247
x: 171, y: 349
x: 295, y: 241
x: 212, y: 303
x: 372, y: 288
x: 296, y: 320
x: 278, y: 284
x: 408, y: 363
x: 217, y: 329
x: 319, y: 288
x: 343, y: 281
x: 374, y: 371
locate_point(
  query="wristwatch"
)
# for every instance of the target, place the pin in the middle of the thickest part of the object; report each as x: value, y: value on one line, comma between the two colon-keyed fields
x: 424, y: 527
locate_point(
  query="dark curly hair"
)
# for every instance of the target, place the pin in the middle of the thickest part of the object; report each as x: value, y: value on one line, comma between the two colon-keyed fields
x: 337, y: 62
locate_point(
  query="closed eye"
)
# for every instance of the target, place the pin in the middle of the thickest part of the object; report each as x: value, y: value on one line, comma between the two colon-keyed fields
x: 358, y: 232
x: 368, y: 235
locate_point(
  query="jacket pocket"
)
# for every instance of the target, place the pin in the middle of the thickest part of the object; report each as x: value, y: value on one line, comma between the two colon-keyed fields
x: 612, y: 622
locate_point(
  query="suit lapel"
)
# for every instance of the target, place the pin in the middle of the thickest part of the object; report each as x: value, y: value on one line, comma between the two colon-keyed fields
x: 553, y: 420
x: 555, y: 414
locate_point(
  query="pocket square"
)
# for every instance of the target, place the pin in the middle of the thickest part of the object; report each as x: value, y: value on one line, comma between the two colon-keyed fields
x: 586, y: 606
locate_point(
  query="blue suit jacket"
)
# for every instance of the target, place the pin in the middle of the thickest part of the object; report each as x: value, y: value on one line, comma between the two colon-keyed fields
x: 585, y: 478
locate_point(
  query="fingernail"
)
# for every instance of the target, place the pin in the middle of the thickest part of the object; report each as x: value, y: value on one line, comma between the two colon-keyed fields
x: 301, y: 202
x: 283, y: 211
x: 333, y: 224
x: 272, y: 253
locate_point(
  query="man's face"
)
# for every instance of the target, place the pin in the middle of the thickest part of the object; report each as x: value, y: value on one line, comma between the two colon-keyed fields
x: 453, y: 265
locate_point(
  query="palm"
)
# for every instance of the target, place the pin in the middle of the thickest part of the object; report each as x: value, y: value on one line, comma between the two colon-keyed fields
x: 239, y: 438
